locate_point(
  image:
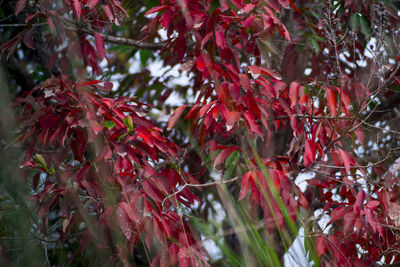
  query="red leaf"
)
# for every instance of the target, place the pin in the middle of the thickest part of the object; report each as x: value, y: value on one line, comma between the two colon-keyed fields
x: 347, y: 159
x: 245, y: 81
x: 184, y: 257
x: 220, y: 39
x: 108, y: 86
x: 371, y: 219
x: 19, y: 6
x: 373, y: 204
x: 338, y: 213
x: 295, y: 8
x: 245, y: 184
x: 30, y: 16
x: 150, y: 190
x: 255, y: 71
x: 359, y: 201
x: 223, y: 155
x: 155, y: 9
x: 231, y: 117
x: 132, y: 215
x: 310, y: 152
x: 98, y: 39
x: 175, y: 116
x: 124, y: 223
x: 294, y: 93
x: 331, y: 101
x: 253, y: 125
x: 321, y: 246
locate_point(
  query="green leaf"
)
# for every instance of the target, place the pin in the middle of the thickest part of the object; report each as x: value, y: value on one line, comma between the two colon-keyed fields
x: 315, y: 45
x: 232, y: 159
x: 108, y: 124
x: 51, y: 171
x: 145, y: 55
x: 150, y: 3
x: 40, y: 160
x: 231, y: 165
x: 365, y: 26
x: 213, y: 6
x: 354, y: 21
x: 2, y: 15
x: 128, y: 123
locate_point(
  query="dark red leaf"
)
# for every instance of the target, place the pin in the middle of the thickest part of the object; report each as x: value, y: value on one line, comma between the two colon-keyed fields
x: 101, y: 52
x: 338, y: 213
x: 310, y: 152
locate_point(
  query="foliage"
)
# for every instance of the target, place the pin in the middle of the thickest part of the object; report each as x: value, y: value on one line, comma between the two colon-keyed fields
x: 287, y: 122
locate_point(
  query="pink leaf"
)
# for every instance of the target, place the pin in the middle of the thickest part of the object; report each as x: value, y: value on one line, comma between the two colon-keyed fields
x: 247, y: 8
x: 284, y: 3
x: 155, y: 9
x: 19, y: 6
x: 108, y: 13
x: 294, y: 93
x: 76, y: 4
x: 175, y: 116
x: 92, y: 3
x: 224, y: 5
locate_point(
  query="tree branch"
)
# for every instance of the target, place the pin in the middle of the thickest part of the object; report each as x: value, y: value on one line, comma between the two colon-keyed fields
x: 70, y: 25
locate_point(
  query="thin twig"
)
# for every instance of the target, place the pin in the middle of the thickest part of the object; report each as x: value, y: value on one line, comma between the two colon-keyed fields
x: 198, y: 185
